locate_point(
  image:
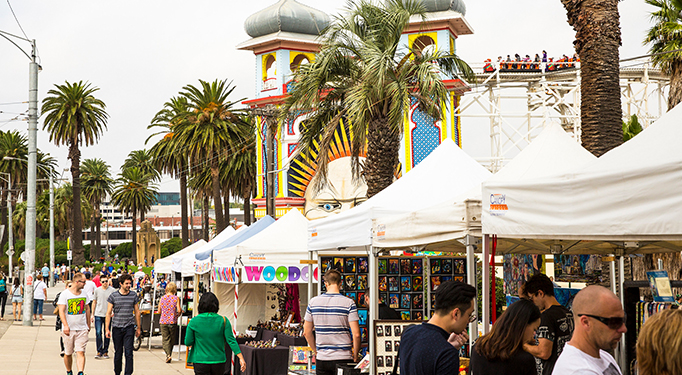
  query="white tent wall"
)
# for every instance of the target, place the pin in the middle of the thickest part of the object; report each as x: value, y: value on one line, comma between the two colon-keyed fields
x: 253, y: 305
x: 173, y: 262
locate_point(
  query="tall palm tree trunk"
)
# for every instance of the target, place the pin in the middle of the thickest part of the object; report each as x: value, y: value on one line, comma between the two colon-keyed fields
x: 217, y: 201
x: 76, y: 220
x: 247, y: 210
x: 98, y: 230
x: 675, y: 94
x: 382, y: 156
x: 133, y: 256
x: 597, y: 41
x: 204, y: 218
x: 226, y: 205
x: 91, y: 237
x: 183, y: 209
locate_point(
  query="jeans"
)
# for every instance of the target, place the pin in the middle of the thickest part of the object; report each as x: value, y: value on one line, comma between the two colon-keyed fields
x: 3, y: 301
x: 38, y: 306
x: 123, y: 340
x: 100, y: 337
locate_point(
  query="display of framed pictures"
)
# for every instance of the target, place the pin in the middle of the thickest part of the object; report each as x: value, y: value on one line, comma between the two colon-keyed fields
x: 403, y: 279
x: 444, y: 270
x: 387, y: 334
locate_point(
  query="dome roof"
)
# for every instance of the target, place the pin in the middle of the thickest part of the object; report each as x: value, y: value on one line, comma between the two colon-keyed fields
x: 441, y: 5
x: 289, y: 16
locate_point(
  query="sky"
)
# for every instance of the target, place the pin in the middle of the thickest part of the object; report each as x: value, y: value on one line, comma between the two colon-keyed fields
x: 141, y: 53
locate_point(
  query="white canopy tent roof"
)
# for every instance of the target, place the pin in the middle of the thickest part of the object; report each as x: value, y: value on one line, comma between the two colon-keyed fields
x: 446, y: 169
x: 283, y: 242
x: 187, y: 267
x: 441, y: 226
x: 630, y: 198
x: 173, y: 262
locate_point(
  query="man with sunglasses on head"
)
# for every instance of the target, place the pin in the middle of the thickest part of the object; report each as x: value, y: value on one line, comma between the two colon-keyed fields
x: 432, y: 348
x: 556, y: 323
x: 599, y: 325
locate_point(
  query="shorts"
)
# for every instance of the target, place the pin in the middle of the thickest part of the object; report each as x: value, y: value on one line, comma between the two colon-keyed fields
x: 76, y: 341
x: 17, y: 299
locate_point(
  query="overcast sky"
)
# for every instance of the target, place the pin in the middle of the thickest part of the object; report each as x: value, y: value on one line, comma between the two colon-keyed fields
x: 141, y: 53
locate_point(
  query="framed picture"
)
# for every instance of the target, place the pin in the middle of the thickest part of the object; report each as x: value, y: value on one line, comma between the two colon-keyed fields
x: 405, y: 283
x: 460, y: 266
x: 362, y: 317
x: 388, y: 330
x: 444, y: 279
x: 383, y: 297
x: 405, y: 315
x: 389, y: 361
x: 361, y: 299
x: 405, y: 301
x: 446, y: 266
x: 394, y: 300
x: 435, y: 283
x: 393, y: 284
x: 417, y: 284
x: 383, y: 286
x: 435, y: 266
x: 383, y: 268
x: 362, y: 282
x: 459, y: 278
x: 393, y: 266
x: 417, y: 301
x: 363, y: 265
x: 350, y: 265
x: 323, y: 287
x: 380, y: 331
x: 396, y: 345
x: 433, y: 301
x: 338, y: 264
x: 352, y: 296
x: 349, y: 282
x: 417, y: 315
x: 388, y: 346
x: 417, y: 267
x: 326, y: 264
x: 363, y: 334
x: 380, y: 361
x: 405, y: 266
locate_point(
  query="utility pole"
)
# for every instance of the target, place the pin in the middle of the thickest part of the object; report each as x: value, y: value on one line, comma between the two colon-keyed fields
x: 269, y: 113
x: 10, y: 251
x: 52, y: 282
x: 31, y: 189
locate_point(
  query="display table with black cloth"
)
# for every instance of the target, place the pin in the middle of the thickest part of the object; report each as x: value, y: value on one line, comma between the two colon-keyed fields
x: 286, y: 340
x: 268, y: 335
x: 262, y: 361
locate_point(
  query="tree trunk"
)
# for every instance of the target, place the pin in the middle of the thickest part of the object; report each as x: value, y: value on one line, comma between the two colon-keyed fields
x: 247, y: 210
x: 183, y: 209
x: 98, y: 229
x: 675, y: 94
x: 226, y: 206
x: 382, y: 156
x: 142, y: 218
x: 597, y: 40
x: 91, y: 237
x: 133, y: 254
x: 217, y: 201
x: 76, y: 219
x: 204, y: 219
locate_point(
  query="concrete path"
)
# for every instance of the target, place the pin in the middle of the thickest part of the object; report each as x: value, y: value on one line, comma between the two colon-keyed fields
x: 35, y: 350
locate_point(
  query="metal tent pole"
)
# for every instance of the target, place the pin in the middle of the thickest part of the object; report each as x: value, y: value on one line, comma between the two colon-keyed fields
x: 471, y: 279
x: 485, y: 293
x: 374, y: 305
x: 151, y: 324
x: 182, y: 297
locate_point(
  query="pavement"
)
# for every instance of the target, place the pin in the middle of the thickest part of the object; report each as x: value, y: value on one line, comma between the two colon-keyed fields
x: 35, y: 350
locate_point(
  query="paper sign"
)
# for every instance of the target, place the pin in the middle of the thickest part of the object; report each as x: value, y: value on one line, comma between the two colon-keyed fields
x: 278, y: 274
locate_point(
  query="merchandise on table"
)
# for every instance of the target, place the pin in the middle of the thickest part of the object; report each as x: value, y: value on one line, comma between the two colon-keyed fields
x: 262, y: 344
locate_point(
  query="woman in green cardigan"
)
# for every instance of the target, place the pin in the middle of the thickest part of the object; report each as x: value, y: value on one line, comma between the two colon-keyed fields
x: 207, y: 334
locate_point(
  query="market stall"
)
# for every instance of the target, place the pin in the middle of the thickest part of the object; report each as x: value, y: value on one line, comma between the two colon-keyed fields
x: 627, y: 201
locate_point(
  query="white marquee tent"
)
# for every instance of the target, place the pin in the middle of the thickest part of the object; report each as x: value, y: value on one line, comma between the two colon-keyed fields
x: 173, y: 262
x: 189, y: 260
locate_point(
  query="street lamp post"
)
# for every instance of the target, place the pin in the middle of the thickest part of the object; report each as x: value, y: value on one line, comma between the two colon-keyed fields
x: 10, y: 251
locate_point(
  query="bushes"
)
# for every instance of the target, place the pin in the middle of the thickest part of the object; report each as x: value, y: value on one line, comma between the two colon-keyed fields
x: 171, y: 246
x: 124, y: 250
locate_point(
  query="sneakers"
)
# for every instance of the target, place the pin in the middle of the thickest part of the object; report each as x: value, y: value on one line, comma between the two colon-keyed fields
x: 105, y: 356
x: 98, y: 356
x: 61, y: 354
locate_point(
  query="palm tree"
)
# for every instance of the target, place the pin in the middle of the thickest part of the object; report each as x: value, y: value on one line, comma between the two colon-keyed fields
x: 201, y: 183
x: 210, y: 130
x: 97, y: 183
x: 170, y: 157
x: 143, y: 160
x: 74, y: 117
x: 361, y: 75
x: 665, y: 38
x: 135, y: 192
x: 597, y: 40
x: 14, y: 145
x: 241, y: 170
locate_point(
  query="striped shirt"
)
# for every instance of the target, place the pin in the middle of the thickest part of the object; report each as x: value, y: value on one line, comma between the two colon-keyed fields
x: 124, y: 309
x: 331, y: 314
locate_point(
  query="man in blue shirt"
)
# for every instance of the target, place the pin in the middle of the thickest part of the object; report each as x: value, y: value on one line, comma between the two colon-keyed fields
x: 46, y: 273
x: 432, y: 348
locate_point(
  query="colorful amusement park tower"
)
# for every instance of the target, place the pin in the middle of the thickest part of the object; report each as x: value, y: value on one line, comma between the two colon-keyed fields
x: 284, y: 36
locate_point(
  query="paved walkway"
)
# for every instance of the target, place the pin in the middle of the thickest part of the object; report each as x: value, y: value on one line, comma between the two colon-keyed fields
x: 35, y: 350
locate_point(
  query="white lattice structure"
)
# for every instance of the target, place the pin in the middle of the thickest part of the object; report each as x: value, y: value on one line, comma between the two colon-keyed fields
x: 518, y: 104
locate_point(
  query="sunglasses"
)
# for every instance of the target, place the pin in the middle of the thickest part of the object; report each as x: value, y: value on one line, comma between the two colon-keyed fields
x: 613, y: 323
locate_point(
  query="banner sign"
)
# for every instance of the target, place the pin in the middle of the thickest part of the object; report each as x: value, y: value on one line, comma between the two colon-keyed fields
x: 225, y: 274
x: 202, y: 266
x: 278, y: 274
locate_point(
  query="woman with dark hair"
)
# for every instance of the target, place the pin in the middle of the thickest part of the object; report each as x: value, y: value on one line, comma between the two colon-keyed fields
x: 501, y: 351
x: 207, y: 334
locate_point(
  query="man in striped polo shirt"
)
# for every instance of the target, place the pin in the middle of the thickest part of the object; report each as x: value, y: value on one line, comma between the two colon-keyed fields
x: 123, y: 304
x: 334, y: 317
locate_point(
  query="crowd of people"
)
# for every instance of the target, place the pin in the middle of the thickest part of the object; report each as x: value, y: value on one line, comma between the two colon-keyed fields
x: 528, y: 64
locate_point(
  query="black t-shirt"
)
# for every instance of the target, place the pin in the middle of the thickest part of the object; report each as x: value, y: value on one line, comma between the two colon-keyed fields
x: 425, y: 350
x: 521, y: 363
x: 556, y: 325
x: 386, y: 312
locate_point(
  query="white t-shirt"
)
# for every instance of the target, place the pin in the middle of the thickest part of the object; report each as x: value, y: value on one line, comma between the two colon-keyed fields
x: 89, y: 288
x: 63, y: 269
x: 39, y: 290
x: 75, y: 309
x: 574, y: 361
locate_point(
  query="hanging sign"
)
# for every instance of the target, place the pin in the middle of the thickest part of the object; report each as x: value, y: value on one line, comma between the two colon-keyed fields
x: 225, y: 274
x: 69, y: 255
x: 278, y: 274
x: 202, y: 266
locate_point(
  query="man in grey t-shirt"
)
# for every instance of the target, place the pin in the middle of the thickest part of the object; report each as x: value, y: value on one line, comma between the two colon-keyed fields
x: 99, y: 306
x: 123, y: 305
